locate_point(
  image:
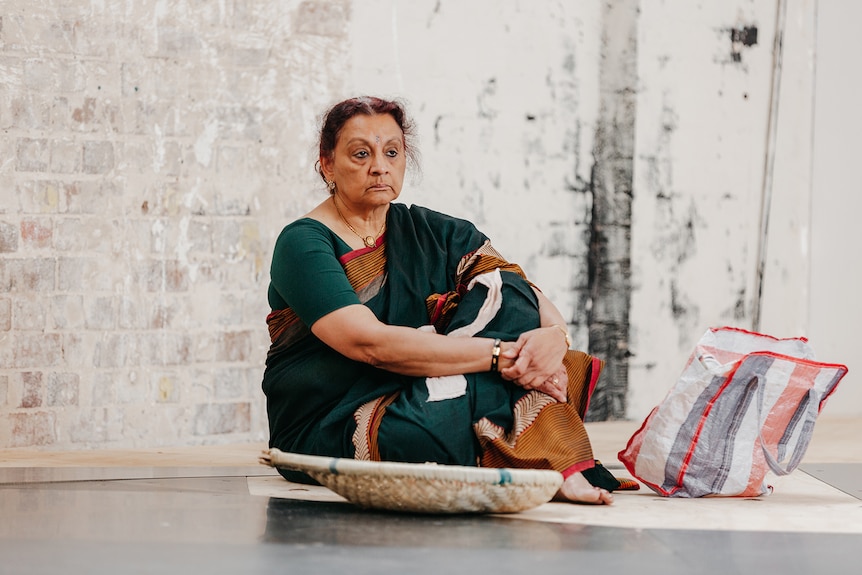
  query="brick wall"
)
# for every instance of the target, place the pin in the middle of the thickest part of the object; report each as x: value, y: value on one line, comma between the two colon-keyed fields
x: 147, y: 151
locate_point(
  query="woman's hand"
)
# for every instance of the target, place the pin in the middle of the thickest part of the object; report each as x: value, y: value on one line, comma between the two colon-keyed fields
x: 537, y: 357
x: 557, y: 387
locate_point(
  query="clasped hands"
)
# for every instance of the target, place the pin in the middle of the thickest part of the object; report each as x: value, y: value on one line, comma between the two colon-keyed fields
x: 535, y: 361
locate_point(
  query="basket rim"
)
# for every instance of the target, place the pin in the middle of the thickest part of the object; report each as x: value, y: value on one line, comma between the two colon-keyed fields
x: 429, y: 471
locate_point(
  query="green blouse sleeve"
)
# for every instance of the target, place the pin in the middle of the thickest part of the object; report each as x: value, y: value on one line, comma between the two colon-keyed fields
x: 306, y: 275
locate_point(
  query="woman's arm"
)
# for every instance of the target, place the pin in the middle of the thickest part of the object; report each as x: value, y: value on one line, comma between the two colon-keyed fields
x: 538, y: 354
x: 549, y: 315
x: 354, y: 331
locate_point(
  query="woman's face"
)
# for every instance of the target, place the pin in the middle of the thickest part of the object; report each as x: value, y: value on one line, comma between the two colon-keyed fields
x: 368, y: 163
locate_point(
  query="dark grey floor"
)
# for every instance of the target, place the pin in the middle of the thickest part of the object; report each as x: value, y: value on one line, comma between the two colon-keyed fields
x: 193, y: 520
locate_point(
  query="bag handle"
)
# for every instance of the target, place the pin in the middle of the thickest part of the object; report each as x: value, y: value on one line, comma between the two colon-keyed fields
x: 804, y: 439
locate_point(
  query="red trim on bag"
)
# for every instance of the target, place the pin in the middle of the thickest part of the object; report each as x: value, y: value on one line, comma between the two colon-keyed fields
x: 800, y: 360
x: 772, y: 337
x: 843, y: 369
x: 630, y: 454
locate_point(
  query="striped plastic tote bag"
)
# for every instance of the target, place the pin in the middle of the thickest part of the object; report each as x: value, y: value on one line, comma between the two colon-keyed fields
x: 745, y: 404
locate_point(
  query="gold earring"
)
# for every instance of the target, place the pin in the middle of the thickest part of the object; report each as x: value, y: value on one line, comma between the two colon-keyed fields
x: 331, y: 185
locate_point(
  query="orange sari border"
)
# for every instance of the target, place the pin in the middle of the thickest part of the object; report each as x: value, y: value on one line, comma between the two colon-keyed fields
x: 350, y: 256
x: 368, y: 418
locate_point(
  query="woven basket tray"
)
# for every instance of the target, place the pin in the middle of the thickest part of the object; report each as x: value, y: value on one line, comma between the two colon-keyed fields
x: 424, y: 488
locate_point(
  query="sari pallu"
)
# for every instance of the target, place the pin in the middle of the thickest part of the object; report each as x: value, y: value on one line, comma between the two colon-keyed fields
x: 322, y: 403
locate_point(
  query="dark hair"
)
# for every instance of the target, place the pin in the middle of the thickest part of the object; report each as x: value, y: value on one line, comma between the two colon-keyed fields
x: 339, y: 114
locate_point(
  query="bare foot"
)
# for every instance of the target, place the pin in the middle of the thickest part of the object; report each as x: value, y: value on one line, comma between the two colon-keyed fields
x: 576, y: 489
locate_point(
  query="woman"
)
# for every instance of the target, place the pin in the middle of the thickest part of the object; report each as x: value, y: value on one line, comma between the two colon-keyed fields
x: 355, y: 368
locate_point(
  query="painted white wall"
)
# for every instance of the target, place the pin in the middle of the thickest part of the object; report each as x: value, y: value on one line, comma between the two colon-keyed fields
x: 699, y: 154
x: 787, y: 179
x: 836, y: 277
x: 705, y: 146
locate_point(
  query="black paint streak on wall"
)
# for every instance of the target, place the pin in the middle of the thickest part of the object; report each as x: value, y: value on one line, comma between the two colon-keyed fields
x: 609, y: 261
x: 609, y: 281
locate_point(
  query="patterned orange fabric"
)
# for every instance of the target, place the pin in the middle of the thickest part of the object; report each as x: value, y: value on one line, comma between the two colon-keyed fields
x: 368, y: 418
x: 279, y: 321
x: 546, y: 434
x: 365, y: 268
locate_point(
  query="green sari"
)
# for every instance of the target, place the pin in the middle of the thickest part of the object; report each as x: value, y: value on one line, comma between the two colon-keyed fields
x: 322, y: 403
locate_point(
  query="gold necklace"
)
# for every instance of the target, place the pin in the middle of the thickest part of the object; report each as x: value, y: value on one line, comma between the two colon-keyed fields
x: 369, y: 241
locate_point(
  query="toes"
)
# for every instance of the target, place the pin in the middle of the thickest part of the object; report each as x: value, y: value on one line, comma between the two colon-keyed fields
x: 605, y: 496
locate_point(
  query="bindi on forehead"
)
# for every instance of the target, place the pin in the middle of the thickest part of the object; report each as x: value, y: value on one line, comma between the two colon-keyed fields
x: 371, y: 130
